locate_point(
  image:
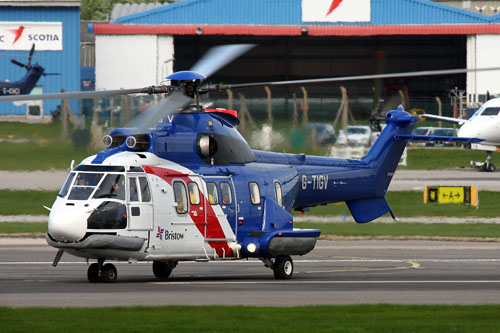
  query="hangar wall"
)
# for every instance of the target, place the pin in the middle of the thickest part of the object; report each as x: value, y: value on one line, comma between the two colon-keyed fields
x: 66, y: 62
x: 482, y: 52
x: 132, y: 61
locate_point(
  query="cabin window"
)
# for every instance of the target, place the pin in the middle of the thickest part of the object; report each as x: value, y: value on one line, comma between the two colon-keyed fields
x: 113, y: 186
x: 133, y: 191
x: 254, y: 193
x: 225, y: 192
x: 194, y: 193
x: 65, y: 189
x: 180, y: 195
x: 213, y: 197
x: 278, y: 193
x: 145, y: 193
x: 84, y: 185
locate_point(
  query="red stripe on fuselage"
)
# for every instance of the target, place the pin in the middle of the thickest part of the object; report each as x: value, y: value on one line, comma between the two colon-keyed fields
x: 214, y: 229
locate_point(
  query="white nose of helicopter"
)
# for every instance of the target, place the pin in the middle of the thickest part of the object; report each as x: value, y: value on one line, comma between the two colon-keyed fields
x: 66, y: 225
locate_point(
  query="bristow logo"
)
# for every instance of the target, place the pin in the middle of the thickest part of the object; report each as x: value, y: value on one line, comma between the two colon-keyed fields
x: 333, y: 6
x: 159, y: 234
x: 173, y: 235
x: 168, y: 235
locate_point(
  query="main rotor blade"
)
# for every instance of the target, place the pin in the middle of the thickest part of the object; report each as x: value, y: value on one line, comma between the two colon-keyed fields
x: 220, y: 87
x: 219, y: 56
x: 31, y: 54
x: 166, y: 107
x: 15, y: 62
x: 75, y: 95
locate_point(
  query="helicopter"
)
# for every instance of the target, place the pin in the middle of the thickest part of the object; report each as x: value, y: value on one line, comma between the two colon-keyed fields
x: 180, y: 183
x: 28, y: 81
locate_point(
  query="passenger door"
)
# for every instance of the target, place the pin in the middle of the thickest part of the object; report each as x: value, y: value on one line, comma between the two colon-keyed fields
x: 140, y: 206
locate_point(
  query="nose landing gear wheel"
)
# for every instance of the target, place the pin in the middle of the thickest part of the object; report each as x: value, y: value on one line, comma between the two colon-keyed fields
x: 283, y: 268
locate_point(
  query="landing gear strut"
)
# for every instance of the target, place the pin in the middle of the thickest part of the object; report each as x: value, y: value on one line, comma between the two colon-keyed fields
x: 98, y: 272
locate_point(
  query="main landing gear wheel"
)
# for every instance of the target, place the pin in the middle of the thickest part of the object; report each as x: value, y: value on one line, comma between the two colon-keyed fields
x: 162, y: 270
x: 283, y: 268
x: 108, y: 273
x: 93, y: 273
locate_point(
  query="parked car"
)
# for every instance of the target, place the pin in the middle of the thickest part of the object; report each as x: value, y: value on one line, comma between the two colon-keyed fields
x: 357, y: 135
x: 435, y: 131
x: 325, y: 133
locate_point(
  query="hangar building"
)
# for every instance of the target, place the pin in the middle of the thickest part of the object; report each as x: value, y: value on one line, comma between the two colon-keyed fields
x: 54, y: 27
x: 300, y: 39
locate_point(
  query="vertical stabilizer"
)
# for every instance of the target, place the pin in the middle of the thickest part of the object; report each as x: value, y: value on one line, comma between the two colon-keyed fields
x: 384, y: 157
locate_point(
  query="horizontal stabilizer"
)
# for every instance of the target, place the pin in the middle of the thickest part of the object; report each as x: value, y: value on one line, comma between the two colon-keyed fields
x: 366, y: 210
x: 436, y: 138
x: 447, y: 119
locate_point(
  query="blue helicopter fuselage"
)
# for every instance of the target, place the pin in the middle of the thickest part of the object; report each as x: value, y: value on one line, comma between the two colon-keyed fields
x: 304, y: 180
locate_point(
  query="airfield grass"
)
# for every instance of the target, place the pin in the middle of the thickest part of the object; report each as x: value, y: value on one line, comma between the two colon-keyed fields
x: 405, y: 229
x: 39, y: 155
x: 411, y: 203
x: 443, y: 158
x: 344, y: 229
x: 26, y: 202
x: 403, y: 203
x: 349, y: 318
x: 33, y: 132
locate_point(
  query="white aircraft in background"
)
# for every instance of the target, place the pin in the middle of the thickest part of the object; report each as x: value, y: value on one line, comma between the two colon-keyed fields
x: 484, y: 124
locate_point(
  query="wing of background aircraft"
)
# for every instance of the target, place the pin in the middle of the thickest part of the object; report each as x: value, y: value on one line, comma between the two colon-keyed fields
x: 447, y: 119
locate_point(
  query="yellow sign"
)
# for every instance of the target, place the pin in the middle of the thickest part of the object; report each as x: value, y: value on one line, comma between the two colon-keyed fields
x: 467, y: 195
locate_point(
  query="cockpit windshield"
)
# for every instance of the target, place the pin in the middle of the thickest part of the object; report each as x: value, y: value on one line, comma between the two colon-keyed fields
x: 85, y: 183
x: 102, y: 185
x: 113, y: 186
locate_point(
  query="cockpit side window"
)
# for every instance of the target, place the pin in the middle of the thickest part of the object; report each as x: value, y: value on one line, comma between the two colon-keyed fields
x: 146, y: 195
x: 113, y: 186
x: 133, y: 191
x: 491, y: 111
x: 67, y: 184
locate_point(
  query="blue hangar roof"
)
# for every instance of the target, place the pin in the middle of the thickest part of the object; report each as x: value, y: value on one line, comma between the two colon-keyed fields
x: 290, y: 12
